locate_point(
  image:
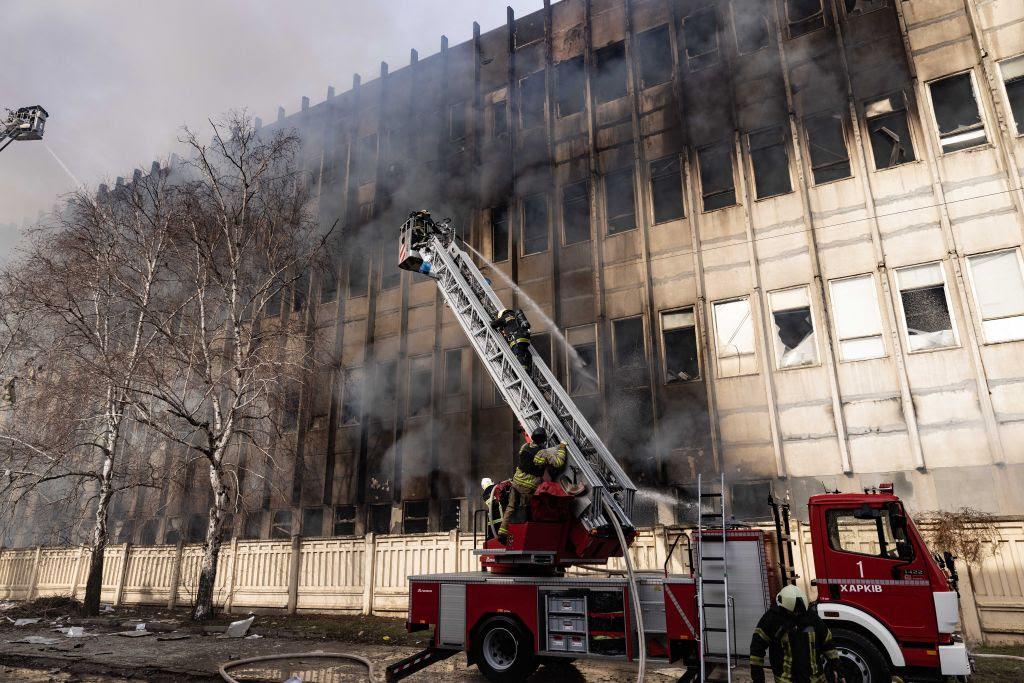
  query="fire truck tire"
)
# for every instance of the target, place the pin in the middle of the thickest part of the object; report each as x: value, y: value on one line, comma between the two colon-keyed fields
x: 503, y: 650
x: 860, y: 660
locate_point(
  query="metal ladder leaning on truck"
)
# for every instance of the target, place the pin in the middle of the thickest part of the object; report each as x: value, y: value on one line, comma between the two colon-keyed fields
x: 891, y: 609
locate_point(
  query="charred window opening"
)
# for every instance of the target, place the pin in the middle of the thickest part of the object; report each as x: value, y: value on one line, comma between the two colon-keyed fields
x: 344, y: 520
x: 499, y: 233
x: 620, y: 202
x: 575, y: 212
x: 1013, y: 80
x: 679, y: 336
x: 529, y: 29
x: 197, y: 525
x: 358, y: 274
x: 734, y: 335
x: 542, y: 345
x: 999, y: 293
x: 717, y: 186
x: 535, y: 224
x: 667, y: 189
x: 531, y: 100
x: 352, y: 397
x: 366, y: 212
x: 857, y: 320
x: 385, y: 391
x: 451, y: 514
x: 420, y: 385
x: 281, y: 526
x: 889, y: 131
x: 570, y: 87
x: 300, y: 292
x: 253, y: 527
x: 700, y: 35
x: 290, y: 410
x: 925, y: 307
x: 147, y: 536
x: 856, y: 7
x: 770, y: 160
x: 172, y: 531
x: 328, y: 285
x: 956, y: 113
x: 453, y: 372
x: 581, y: 359
x: 378, y: 518
x: 313, y: 522
x: 750, y: 23
x: 415, y: 516
x: 795, y: 345
x: 804, y: 16
x: 499, y: 118
x: 390, y: 275
x: 366, y: 165
x: 829, y: 158
x: 628, y: 334
x: 609, y: 80
x: 655, y: 52
x: 457, y: 121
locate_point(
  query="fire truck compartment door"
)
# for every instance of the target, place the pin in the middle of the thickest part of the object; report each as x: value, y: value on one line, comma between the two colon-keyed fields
x: 748, y: 593
x: 451, y: 625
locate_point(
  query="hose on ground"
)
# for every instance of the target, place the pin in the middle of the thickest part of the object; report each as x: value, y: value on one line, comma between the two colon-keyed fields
x: 637, y: 607
x: 297, y: 655
x: 992, y: 656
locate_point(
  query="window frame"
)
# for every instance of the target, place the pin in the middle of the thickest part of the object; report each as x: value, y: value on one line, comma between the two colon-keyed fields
x: 814, y: 328
x: 786, y: 141
x: 714, y: 323
x: 846, y: 13
x: 789, y: 22
x: 617, y: 172
x: 504, y: 207
x: 830, y: 517
x: 651, y: 177
x: 1016, y: 125
x: 600, y: 80
x: 835, y: 319
x: 521, y: 90
x: 902, y: 321
x: 977, y: 102
x: 866, y: 128
x: 703, y: 60
x: 696, y: 343
x: 846, y: 145
x: 977, y: 302
x: 618, y: 362
x: 576, y: 330
x: 349, y: 508
x: 585, y: 182
x: 560, y: 68
x: 424, y: 518
x: 522, y: 224
x: 650, y: 33
x: 428, y: 407
x: 736, y: 33
x: 454, y: 110
x: 358, y: 376
x: 448, y: 353
x: 731, y: 147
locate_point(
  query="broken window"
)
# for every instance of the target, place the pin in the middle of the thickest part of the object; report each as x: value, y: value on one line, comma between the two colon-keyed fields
x: 770, y: 160
x: 827, y: 145
x: 390, y: 275
x: 619, y: 200
x: 352, y: 397
x: 290, y: 410
x: 700, y: 34
x: 457, y: 121
x: 855, y: 7
x: 415, y: 516
x: 999, y: 294
x: 420, y: 375
x: 344, y: 520
x: 300, y: 291
x: 535, y: 224
x: 281, y: 527
x: 451, y: 514
x: 889, y: 131
x: 575, y: 212
x: 328, y: 285
x: 956, y: 113
x: 804, y: 16
x: 531, y: 100
x: 667, y: 189
x: 1013, y: 81
x: 313, y: 522
x: 358, y: 274
x: 453, y: 372
x: 679, y: 337
x: 858, y: 322
x: 628, y: 334
x: 750, y: 22
x: 366, y: 164
x: 925, y: 307
x: 734, y: 334
x: 499, y: 233
x: 570, y: 86
x: 379, y: 518
x: 655, y: 52
x: 794, y: 328
x: 581, y: 359
x: 609, y: 81
x: 716, y: 180
x: 499, y: 118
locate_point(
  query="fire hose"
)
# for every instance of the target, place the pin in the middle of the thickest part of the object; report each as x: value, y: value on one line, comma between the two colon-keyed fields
x: 637, y: 607
x: 298, y: 655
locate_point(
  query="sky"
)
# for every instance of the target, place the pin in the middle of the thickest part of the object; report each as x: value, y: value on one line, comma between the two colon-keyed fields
x: 119, y: 79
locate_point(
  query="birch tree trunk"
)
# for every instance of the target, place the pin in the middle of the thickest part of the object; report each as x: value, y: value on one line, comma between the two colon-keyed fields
x: 211, y: 550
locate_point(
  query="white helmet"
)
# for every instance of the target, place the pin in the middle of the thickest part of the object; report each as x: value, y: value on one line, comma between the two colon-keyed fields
x: 485, y: 482
x: 790, y: 598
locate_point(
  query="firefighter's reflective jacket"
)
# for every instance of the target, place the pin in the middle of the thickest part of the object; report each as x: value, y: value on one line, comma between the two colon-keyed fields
x: 532, y: 462
x: 799, y: 646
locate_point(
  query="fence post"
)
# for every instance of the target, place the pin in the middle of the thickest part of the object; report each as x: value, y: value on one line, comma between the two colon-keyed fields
x: 293, y: 574
x: 369, y: 551
x: 453, y: 539
x: 34, y: 575
x: 119, y: 592
x: 230, y: 599
x: 969, y: 614
x: 77, y: 573
x: 172, y: 597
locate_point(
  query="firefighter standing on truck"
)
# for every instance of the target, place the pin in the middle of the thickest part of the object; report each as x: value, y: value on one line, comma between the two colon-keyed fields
x: 516, y: 329
x: 533, y: 460
x: 797, y: 641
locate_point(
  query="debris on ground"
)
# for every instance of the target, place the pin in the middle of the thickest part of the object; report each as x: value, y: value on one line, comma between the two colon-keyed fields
x: 254, y: 636
x: 176, y: 636
x: 36, y: 640
x: 134, y: 634
x: 26, y: 622
x: 237, y: 629
x: 46, y: 608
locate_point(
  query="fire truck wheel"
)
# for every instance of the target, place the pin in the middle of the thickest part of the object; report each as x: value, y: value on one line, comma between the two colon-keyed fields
x: 503, y: 651
x: 860, y: 660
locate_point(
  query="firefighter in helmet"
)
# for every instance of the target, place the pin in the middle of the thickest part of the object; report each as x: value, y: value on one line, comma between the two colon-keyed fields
x: 533, y: 460
x: 516, y: 329
x: 492, y: 504
x: 797, y: 641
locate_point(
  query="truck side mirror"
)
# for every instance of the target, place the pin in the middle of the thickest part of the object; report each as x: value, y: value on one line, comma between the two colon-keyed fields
x: 867, y: 512
x: 904, y: 551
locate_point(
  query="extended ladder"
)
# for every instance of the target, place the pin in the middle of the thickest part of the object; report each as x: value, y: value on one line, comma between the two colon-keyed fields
x: 713, y: 571
x: 537, y: 398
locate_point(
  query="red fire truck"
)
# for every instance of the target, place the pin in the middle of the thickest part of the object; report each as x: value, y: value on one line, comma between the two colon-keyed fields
x: 891, y: 608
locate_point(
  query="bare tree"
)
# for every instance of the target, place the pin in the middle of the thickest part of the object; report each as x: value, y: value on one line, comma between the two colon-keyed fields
x: 247, y: 234
x: 87, y: 283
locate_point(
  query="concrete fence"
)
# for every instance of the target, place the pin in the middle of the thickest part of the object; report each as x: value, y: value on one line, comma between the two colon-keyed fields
x: 369, y: 575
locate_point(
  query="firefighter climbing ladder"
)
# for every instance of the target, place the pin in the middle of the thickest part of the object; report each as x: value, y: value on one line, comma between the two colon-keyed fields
x: 717, y: 566
x: 537, y: 398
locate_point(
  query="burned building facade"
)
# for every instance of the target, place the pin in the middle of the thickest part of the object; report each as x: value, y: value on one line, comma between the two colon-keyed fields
x: 775, y: 238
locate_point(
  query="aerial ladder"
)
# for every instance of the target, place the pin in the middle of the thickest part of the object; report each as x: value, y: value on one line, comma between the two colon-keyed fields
x: 25, y: 123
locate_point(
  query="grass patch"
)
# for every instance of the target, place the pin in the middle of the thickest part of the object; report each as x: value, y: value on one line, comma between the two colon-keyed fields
x: 999, y: 670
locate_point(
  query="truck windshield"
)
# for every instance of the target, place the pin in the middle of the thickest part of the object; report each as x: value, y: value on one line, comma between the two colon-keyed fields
x: 849, y: 532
